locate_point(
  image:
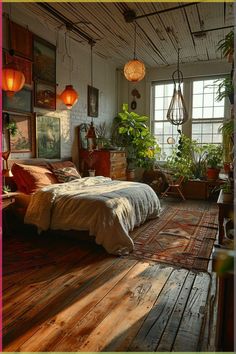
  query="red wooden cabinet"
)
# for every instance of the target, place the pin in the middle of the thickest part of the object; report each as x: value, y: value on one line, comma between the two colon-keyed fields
x: 107, y: 163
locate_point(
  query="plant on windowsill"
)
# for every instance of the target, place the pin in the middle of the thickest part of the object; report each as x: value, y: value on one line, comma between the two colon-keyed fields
x: 214, y: 156
x: 227, y: 130
x: 131, y: 132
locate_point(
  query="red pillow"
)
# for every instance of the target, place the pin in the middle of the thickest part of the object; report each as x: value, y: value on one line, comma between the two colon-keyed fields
x: 31, y: 178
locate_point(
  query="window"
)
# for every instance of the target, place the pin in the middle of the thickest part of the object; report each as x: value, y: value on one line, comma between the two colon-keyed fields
x: 207, y: 113
x: 162, y: 128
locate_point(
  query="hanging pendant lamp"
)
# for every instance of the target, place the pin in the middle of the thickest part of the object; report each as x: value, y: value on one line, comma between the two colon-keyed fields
x: 134, y: 70
x: 69, y: 96
x: 177, y: 113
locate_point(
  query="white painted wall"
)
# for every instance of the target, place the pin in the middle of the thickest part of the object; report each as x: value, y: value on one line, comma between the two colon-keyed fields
x: 104, y: 78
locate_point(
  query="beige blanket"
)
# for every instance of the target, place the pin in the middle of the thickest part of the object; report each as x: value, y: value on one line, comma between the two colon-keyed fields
x: 108, y: 209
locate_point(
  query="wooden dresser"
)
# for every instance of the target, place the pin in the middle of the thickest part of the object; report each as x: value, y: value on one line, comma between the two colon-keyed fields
x: 107, y: 163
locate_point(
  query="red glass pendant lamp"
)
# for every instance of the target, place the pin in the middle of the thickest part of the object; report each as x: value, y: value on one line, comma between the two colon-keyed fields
x: 69, y: 96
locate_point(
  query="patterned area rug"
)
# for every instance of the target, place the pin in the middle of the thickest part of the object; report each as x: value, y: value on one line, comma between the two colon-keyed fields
x: 179, y: 237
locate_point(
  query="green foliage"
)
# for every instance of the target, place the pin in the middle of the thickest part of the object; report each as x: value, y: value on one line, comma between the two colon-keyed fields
x: 6, y: 189
x: 227, y: 187
x: 214, y: 155
x: 187, y: 159
x: 12, y: 128
x: 225, y: 88
x: 130, y: 131
x: 227, y: 127
x: 226, y: 45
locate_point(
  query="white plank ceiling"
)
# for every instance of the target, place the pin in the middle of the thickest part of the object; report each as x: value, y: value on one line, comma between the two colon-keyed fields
x: 158, y: 36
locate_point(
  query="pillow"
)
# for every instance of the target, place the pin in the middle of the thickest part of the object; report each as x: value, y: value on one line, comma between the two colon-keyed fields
x: 31, y: 178
x: 66, y: 174
x: 61, y: 164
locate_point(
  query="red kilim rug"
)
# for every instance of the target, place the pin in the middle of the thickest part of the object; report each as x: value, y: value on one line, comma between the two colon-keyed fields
x: 182, y: 238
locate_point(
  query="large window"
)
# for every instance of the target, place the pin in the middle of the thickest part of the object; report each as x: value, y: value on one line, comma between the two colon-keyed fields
x: 162, y: 128
x: 205, y: 113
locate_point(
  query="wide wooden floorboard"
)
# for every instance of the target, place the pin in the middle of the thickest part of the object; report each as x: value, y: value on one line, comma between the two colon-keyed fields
x: 85, y: 300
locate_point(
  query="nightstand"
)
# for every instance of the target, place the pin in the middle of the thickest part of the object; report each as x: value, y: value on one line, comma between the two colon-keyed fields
x: 8, y: 200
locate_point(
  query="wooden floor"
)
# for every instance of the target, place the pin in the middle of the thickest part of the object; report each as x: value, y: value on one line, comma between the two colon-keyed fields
x: 78, y: 298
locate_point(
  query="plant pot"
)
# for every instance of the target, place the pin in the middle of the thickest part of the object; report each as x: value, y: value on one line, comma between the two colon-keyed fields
x: 130, y: 175
x: 227, y: 167
x: 227, y: 197
x: 91, y: 173
x: 212, y: 173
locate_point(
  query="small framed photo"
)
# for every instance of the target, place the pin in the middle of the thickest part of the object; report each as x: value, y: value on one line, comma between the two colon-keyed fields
x: 44, y: 60
x: 21, y: 102
x: 92, y: 101
x: 23, y: 139
x: 44, y: 95
x: 48, y: 137
x: 24, y: 65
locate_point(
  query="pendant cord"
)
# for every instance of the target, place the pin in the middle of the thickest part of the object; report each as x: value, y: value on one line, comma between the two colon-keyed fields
x: 135, y: 40
x: 91, y: 63
x: 69, y: 56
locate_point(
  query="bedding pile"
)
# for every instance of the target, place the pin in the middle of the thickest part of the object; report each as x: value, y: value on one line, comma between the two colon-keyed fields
x: 109, y: 209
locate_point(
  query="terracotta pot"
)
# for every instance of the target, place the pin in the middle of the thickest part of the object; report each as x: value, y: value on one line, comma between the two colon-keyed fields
x: 213, y: 173
x: 227, y: 167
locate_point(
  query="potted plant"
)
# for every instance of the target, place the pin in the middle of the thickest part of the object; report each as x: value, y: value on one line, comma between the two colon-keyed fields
x: 226, y: 46
x: 214, y: 154
x: 131, y: 132
x: 101, y: 131
x: 227, y: 191
x: 227, y: 130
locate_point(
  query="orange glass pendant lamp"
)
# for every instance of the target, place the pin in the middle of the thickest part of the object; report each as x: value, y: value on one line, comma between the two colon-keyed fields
x: 69, y: 96
x: 134, y: 70
x: 13, y: 79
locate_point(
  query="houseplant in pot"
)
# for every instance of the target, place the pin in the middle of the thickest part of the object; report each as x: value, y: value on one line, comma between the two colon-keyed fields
x: 214, y: 155
x: 130, y: 131
x: 227, y: 189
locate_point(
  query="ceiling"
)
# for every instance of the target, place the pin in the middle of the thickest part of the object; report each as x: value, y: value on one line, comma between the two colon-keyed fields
x: 196, y: 28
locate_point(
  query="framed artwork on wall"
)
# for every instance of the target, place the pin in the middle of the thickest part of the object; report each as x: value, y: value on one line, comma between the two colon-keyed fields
x: 20, y: 102
x: 93, y: 101
x: 44, y: 60
x: 48, y: 137
x: 24, y: 65
x: 21, y: 40
x: 23, y: 140
x: 44, y: 95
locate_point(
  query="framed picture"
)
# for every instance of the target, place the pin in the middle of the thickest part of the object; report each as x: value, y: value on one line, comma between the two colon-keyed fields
x: 44, y: 60
x: 48, y: 137
x: 92, y: 101
x: 24, y: 65
x: 44, y: 95
x: 23, y: 139
x: 20, y: 102
x: 21, y: 40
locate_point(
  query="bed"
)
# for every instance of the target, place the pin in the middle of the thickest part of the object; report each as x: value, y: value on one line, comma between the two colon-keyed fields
x: 108, y: 209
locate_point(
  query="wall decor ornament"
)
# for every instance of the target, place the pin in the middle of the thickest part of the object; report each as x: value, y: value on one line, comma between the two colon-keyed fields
x: 48, y: 137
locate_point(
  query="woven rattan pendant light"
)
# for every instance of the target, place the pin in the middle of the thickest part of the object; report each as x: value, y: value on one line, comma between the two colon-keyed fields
x: 177, y: 113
